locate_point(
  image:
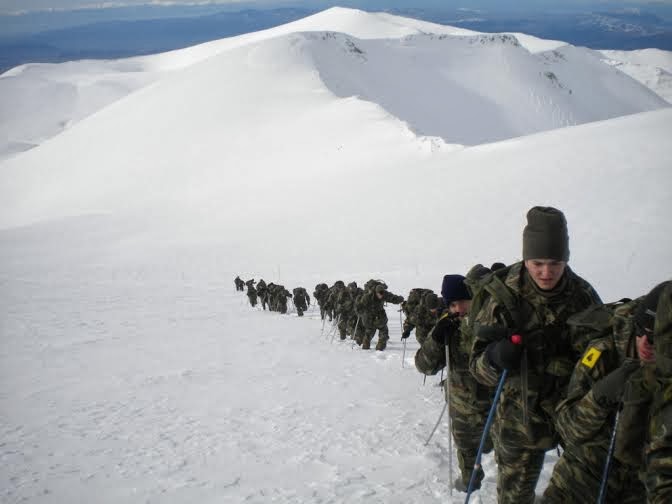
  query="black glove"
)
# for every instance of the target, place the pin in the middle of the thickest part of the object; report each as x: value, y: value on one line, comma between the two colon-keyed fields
x: 609, y: 390
x: 405, y: 334
x: 504, y: 354
x: 445, y: 329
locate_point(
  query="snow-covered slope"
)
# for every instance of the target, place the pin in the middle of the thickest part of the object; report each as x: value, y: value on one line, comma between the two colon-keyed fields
x: 130, y: 370
x: 651, y: 67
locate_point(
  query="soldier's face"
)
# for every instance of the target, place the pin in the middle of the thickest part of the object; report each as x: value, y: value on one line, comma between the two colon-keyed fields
x: 460, y: 307
x: 546, y: 273
x: 645, y: 350
x: 379, y: 295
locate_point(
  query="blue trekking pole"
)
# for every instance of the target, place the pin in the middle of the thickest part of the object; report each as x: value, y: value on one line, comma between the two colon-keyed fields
x: 517, y: 339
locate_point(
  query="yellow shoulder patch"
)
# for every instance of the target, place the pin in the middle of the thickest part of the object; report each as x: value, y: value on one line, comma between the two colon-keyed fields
x: 591, y: 357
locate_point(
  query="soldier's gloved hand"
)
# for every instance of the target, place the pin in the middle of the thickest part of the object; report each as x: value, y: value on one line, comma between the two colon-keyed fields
x: 609, y: 390
x: 504, y: 354
x: 405, y: 334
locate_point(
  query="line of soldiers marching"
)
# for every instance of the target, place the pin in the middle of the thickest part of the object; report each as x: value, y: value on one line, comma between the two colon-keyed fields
x: 535, y: 361
x: 274, y: 296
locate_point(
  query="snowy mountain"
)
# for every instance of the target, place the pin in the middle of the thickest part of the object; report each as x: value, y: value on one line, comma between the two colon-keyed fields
x: 651, y: 67
x: 345, y: 146
x: 465, y: 72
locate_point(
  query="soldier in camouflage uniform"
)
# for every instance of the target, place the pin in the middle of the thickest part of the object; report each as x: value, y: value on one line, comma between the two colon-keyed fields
x: 270, y: 296
x: 301, y: 300
x: 262, y: 292
x: 533, y: 298
x: 421, y: 315
x: 320, y: 296
x: 611, y: 376
x: 344, y: 308
x: 281, y: 295
x: 370, y: 308
x: 240, y: 285
x: 330, y: 299
x: 251, y: 292
x: 658, y: 454
x: 469, y: 400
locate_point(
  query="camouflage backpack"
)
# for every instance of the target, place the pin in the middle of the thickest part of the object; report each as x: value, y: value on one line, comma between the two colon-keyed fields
x: 415, y: 298
x: 372, y: 284
x: 609, y: 319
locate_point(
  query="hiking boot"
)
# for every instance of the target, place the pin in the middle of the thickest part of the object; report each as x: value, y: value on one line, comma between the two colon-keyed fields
x: 382, y: 344
x: 460, y: 485
x: 366, y: 344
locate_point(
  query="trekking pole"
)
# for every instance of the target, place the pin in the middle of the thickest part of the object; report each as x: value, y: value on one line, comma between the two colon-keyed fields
x: 450, y: 427
x: 354, y: 334
x: 334, y: 325
x: 403, y: 355
x: 607, y: 465
x: 335, y: 329
x: 323, y: 321
x: 438, y: 422
x: 484, y: 436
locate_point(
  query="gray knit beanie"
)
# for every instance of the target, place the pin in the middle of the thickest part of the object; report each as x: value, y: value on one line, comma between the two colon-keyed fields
x: 545, y: 236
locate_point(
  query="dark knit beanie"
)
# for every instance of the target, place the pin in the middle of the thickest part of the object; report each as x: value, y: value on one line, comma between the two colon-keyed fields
x: 497, y: 265
x: 545, y: 236
x: 454, y: 289
x: 645, y: 314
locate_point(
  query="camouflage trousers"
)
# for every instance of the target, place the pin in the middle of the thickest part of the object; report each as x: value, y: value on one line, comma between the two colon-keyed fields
x: 467, y: 424
x: 300, y: 308
x: 264, y: 301
x: 253, y: 299
x: 370, y: 332
x: 576, y: 480
x: 518, y: 471
x: 343, y: 325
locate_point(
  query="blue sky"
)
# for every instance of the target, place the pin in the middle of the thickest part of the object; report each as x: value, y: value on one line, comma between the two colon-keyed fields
x: 17, y: 6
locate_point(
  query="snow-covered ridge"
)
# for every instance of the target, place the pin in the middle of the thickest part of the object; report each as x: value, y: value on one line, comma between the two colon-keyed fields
x: 651, y: 67
x: 57, y: 96
x: 444, y: 86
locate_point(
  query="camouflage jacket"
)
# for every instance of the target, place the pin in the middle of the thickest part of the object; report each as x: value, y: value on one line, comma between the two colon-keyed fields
x: 466, y: 393
x: 659, y: 448
x: 584, y: 424
x: 372, y: 310
x: 512, y: 300
x: 261, y: 288
x: 251, y: 291
x: 301, y: 296
x: 332, y: 297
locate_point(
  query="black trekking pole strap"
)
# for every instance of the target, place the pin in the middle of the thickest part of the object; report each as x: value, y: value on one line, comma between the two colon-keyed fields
x: 610, y: 454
